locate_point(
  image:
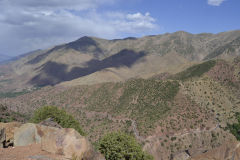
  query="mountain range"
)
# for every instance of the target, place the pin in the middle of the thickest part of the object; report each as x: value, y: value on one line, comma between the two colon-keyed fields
x: 91, y: 60
x: 176, y: 92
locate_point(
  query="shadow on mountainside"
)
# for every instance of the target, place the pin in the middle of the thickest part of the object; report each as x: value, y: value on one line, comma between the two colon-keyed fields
x: 52, y: 73
x: 82, y: 45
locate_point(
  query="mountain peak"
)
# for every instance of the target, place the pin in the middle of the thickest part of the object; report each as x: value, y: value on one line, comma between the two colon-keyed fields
x: 84, y: 38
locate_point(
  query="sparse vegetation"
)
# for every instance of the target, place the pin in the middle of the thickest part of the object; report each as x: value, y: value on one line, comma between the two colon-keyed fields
x: 12, y: 94
x: 15, y: 94
x: 146, y: 101
x: 228, y: 48
x: 195, y: 71
x: 8, y: 116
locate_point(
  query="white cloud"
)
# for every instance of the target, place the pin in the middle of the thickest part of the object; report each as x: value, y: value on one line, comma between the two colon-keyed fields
x: 215, y: 2
x: 132, y: 23
x: 32, y: 24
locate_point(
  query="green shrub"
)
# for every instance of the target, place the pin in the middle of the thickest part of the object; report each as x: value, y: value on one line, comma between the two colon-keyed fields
x: 235, y: 128
x: 60, y: 116
x: 120, y: 146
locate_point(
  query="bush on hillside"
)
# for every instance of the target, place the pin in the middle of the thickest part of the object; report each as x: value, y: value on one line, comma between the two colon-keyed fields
x: 120, y: 146
x: 60, y: 116
x: 235, y: 128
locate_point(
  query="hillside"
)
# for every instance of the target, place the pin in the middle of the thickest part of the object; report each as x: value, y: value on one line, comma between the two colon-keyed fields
x: 88, y: 58
x: 169, y: 114
x: 175, y: 93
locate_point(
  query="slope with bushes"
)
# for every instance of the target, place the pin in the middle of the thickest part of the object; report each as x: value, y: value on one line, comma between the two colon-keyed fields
x: 185, y: 112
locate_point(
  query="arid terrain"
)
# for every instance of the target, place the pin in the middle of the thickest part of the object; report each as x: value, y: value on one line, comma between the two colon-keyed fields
x: 175, y: 93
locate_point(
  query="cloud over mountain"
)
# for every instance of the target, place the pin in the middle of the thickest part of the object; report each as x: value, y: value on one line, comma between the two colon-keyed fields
x: 28, y: 24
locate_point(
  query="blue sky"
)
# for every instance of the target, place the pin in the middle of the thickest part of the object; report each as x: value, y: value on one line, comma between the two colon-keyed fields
x: 32, y: 24
x: 195, y: 16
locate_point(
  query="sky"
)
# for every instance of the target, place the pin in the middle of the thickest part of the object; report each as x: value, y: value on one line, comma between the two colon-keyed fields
x: 27, y: 25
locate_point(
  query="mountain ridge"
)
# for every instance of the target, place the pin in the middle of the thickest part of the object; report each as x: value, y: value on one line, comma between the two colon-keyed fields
x: 169, y: 52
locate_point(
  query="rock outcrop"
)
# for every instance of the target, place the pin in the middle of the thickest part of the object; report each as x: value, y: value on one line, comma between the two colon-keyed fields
x: 7, y: 133
x: 62, y: 141
x: 66, y: 141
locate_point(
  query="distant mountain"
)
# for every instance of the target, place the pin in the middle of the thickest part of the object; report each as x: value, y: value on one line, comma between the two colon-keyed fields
x: 25, y: 54
x: 7, y: 59
x: 85, y: 60
x: 4, y: 58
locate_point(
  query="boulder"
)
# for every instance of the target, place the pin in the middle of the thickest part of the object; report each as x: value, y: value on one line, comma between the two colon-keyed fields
x: 66, y: 141
x: 26, y: 135
x: 181, y: 156
x: 9, y: 132
x: 63, y: 141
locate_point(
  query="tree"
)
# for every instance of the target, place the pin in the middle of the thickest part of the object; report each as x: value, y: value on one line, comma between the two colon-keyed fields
x: 120, y: 146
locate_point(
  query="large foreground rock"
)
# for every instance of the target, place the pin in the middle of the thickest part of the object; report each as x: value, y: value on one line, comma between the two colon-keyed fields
x: 63, y: 141
x: 26, y: 135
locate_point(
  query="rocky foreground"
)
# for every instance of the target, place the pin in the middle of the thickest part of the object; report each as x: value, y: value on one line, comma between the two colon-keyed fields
x: 48, y: 141
x: 36, y: 141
